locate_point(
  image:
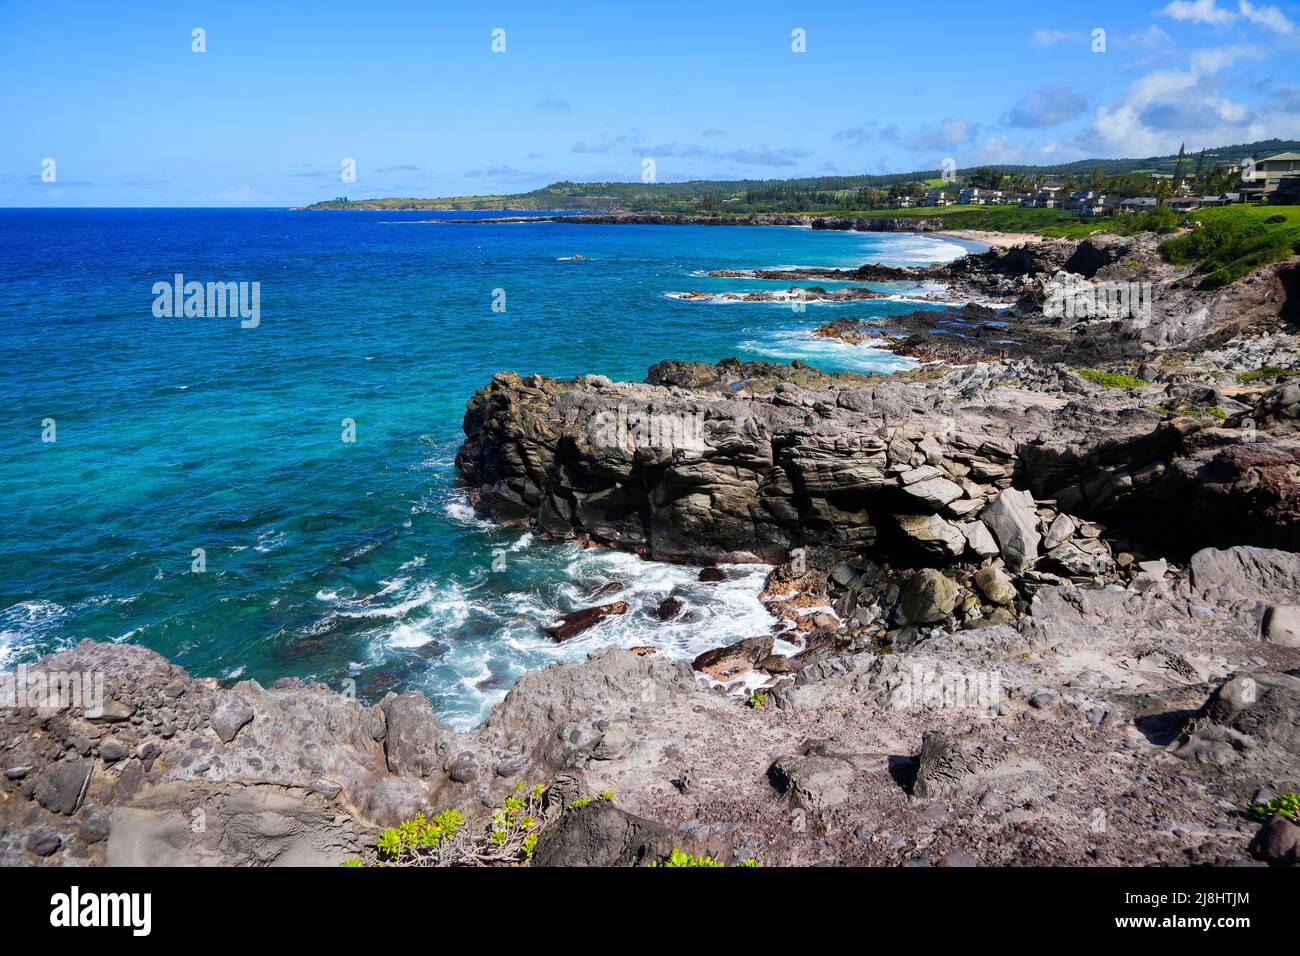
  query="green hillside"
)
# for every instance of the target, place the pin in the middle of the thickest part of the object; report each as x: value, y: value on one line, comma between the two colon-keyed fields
x: 824, y: 194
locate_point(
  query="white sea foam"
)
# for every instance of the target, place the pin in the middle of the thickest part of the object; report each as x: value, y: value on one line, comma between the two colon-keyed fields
x: 458, y: 509
x: 917, y: 249
x: 269, y: 540
x: 787, y: 345
x: 490, y: 635
x: 26, y: 626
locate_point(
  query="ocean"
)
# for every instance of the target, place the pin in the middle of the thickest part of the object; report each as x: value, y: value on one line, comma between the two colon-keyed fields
x: 186, y: 483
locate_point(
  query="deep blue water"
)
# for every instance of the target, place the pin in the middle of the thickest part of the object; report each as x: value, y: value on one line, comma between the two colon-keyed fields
x: 328, y: 559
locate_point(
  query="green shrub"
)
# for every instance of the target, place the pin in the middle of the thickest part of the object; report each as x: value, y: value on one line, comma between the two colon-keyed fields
x: 1268, y: 371
x: 1287, y: 805
x: 442, y: 840
x: 1226, y: 247
x: 1161, y: 220
x: 757, y: 700
x: 1110, y: 379
x: 678, y: 858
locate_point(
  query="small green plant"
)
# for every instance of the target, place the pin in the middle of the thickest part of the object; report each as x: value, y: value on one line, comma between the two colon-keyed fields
x: 579, y: 803
x: 1268, y: 371
x: 678, y: 858
x: 1110, y: 379
x: 757, y: 700
x: 442, y: 840
x: 1287, y: 805
x: 419, y: 833
x: 1187, y: 411
x: 607, y: 796
x: 352, y: 863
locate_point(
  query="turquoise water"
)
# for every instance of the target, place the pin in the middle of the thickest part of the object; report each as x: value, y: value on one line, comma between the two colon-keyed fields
x: 328, y: 559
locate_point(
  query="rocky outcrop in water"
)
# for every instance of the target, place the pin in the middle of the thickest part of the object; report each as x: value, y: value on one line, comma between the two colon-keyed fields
x: 1166, y: 318
x: 745, y: 461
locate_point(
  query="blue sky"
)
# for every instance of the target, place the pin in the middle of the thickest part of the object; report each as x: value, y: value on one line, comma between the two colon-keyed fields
x: 413, y: 92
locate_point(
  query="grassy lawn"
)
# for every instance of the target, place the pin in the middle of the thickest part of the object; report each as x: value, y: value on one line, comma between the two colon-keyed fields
x: 1225, y: 244
x: 1233, y: 240
x: 991, y: 218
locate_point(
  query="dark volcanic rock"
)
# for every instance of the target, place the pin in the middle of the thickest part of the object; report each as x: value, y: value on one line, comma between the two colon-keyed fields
x: 578, y: 622
x: 727, y: 663
x: 61, y: 788
x: 600, y: 834
x: 1278, y: 841
x: 669, y: 608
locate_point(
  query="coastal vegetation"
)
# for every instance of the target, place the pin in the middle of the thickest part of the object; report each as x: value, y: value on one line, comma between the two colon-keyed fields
x: 1287, y: 805
x: 1208, y: 172
x: 443, y: 840
x: 1268, y: 371
x: 1226, y: 243
x: 678, y: 858
x: 1110, y: 379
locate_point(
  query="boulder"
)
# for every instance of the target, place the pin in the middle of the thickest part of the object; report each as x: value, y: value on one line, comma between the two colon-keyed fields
x: 927, y: 598
x: 995, y: 585
x: 730, y: 662
x: 979, y: 539
x: 413, y: 734
x: 1278, y: 841
x: 813, y: 781
x: 1059, y: 531
x: 933, y: 534
x: 231, y: 716
x: 579, y: 622
x: 1282, y: 624
x: 1252, y: 717
x: 949, y: 766
x: 669, y: 608
x: 600, y: 835
x: 62, y: 788
x: 934, y: 492
x: 1073, y: 559
x: 1013, y: 520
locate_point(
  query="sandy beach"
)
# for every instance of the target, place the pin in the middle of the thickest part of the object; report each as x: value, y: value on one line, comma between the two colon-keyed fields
x: 1001, y: 240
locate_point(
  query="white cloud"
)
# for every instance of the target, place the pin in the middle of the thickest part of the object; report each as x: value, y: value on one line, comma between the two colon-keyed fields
x: 1270, y: 17
x: 1198, y: 11
x: 1217, y: 59
x: 949, y: 133
x: 1166, y: 107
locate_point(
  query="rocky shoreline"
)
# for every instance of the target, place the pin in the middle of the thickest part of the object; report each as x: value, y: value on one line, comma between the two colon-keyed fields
x: 1021, y: 615
x: 843, y: 223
